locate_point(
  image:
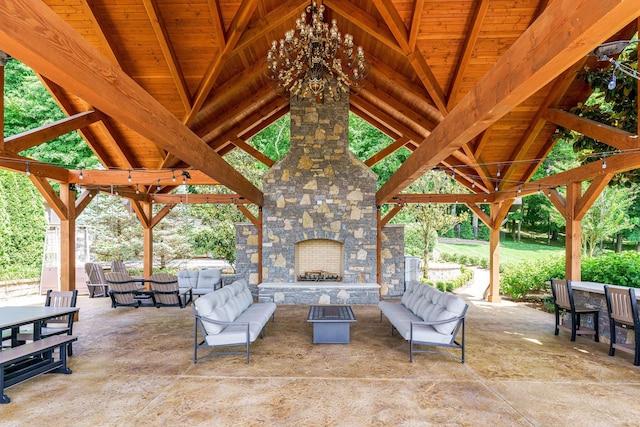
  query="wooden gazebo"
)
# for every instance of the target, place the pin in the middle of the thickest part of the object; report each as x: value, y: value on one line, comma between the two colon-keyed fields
x: 475, y: 86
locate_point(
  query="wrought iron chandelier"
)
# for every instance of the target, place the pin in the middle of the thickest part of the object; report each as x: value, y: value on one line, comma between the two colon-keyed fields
x: 315, y: 58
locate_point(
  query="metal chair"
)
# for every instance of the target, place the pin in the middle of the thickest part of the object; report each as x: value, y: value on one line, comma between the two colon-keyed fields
x: 622, y: 307
x: 59, y: 325
x: 564, y: 303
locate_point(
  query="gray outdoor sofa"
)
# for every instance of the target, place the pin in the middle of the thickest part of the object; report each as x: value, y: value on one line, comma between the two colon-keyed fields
x: 228, y: 317
x: 427, y: 316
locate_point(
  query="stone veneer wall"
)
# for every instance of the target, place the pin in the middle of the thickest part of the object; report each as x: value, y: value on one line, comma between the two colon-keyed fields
x: 392, y: 260
x: 319, y: 190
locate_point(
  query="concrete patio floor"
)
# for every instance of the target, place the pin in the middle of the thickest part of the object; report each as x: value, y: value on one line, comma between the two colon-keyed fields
x: 135, y: 367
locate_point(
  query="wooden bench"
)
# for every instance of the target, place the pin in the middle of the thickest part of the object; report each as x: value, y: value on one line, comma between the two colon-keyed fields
x: 26, y: 361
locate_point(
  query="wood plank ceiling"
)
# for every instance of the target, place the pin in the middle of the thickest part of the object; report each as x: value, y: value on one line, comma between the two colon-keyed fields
x: 475, y: 87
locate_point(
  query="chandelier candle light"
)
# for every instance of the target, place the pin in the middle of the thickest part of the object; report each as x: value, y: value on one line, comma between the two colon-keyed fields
x: 311, y: 59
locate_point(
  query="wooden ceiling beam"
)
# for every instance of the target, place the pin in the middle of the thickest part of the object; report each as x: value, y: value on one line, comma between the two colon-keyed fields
x: 50, y: 195
x: 65, y: 57
x: 105, y: 44
x: 142, y: 177
x: 242, y: 144
x: 199, y: 199
x: 167, y: 50
x: 387, y: 151
x: 287, y: 11
x: 387, y: 119
x: 411, y: 115
x: 239, y: 109
x: 469, y: 45
x: 364, y: 20
x: 616, y: 138
x: 416, y: 17
x: 15, y: 163
x: 415, y: 57
x: 217, y: 22
x: 237, y: 27
x: 440, y: 198
x: 615, y: 164
x: 415, y: 92
x: 45, y: 133
x: 527, y: 66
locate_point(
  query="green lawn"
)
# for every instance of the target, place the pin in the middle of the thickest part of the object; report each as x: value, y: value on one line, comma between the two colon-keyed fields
x: 509, y: 251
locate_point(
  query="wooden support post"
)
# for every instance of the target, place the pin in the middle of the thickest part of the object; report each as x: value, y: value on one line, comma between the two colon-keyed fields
x: 499, y: 211
x: 573, y: 244
x: 148, y: 241
x: 2, y: 64
x: 494, y: 259
x: 379, y: 252
x: 260, y: 244
x: 68, y: 239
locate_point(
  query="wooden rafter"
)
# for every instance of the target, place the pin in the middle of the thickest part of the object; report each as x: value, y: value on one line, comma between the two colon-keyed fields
x: 105, y: 44
x: 416, y: 17
x: 387, y: 151
x: 616, y: 138
x: 417, y: 60
x: 234, y: 33
x: 527, y: 66
x: 42, y: 134
x: 287, y: 11
x: 469, y: 45
x: 167, y: 50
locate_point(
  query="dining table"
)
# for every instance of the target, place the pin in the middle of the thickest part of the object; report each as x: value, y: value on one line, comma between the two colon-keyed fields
x: 14, y: 317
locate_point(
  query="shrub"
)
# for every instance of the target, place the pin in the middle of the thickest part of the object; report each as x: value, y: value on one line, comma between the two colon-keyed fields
x: 518, y: 280
x: 621, y: 269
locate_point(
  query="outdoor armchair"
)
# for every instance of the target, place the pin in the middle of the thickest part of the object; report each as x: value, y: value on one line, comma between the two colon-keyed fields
x: 97, y: 284
x: 124, y: 290
x: 166, y: 292
x: 564, y: 303
x: 622, y: 307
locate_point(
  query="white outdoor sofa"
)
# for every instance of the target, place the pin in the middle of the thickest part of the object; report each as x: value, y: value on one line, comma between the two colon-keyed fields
x: 427, y: 316
x: 200, y: 281
x: 229, y: 317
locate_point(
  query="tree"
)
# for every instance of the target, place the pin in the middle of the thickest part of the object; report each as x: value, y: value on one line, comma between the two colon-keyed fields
x: 606, y: 217
x: 433, y: 219
x: 113, y: 228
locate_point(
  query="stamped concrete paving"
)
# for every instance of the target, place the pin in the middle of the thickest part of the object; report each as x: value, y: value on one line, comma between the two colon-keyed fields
x: 135, y: 367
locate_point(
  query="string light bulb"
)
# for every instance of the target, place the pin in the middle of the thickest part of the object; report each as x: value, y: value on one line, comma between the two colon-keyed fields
x: 27, y: 170
x: 129, y: 176
x: 173, y: 175
x: 81, y: 176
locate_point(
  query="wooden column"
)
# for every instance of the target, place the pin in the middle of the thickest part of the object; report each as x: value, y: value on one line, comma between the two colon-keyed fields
x: 573, y: 244
x: 494, y: 255
x: 68, y: 239
x: 2, y: 64
x: 147, y: 241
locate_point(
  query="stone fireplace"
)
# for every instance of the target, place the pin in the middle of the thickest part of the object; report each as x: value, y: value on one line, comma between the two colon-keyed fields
x: 319, y: 218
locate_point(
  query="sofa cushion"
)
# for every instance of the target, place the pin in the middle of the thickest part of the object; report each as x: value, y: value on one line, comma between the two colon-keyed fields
x: 212, y: 306
x: 209, y: 278
x: 449, y: 306
x: 187, y: 278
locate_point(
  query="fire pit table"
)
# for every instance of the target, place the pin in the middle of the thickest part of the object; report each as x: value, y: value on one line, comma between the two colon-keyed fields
x: 331, y: 323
